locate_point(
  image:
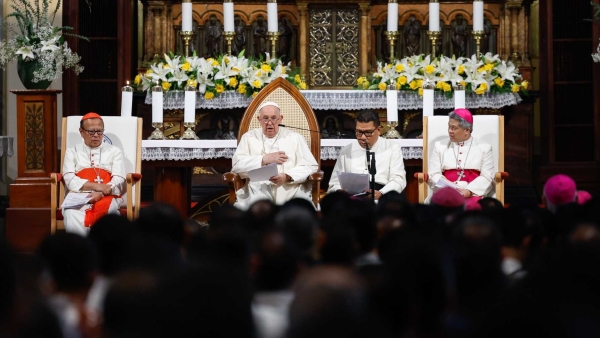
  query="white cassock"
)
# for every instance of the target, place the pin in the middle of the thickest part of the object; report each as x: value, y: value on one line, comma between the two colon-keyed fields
x: 466, y: 155
x: 388, y: 161
x: 300, y: 164
x: 79, y: 157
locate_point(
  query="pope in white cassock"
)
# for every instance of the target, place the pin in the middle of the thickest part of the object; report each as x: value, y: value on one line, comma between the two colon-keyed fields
x: 463, y: 161
x: 390, y: 175
x: 271, y: 144
x: 94, y: 167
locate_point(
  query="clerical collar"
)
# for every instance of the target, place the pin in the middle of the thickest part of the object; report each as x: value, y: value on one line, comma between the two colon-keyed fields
x: 465, y: 143
x: 90, y: 148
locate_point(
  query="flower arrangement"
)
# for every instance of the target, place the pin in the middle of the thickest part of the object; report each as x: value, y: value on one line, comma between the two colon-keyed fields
x: 214, y: 76
x: 488, y: 74
x: 36, y: 41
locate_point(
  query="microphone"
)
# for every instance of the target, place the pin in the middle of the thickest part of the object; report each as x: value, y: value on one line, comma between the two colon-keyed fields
x: 314, y: 131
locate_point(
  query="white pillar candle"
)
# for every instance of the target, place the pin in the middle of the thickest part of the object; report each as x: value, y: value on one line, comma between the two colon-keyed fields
x: 434, y: 16
x: 459, y: 99
x: 157, y: 104
x: 186, y: 16
x: 228, y: 16
x: 126, y: 100
x: 478, y: 15
x: 392, y: 105
x: 392, y: 19
x: 427, y: 102
x: 189, y: 112
x: 272, y: 16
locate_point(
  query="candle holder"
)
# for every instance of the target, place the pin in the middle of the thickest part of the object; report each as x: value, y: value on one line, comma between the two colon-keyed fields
x: 273, y: 37
x: 478, y: 35
x: 228, y: 39
x: 392, y: 133
x: 157, y: 134
x: 187, y: 36
x: 189, y: 133
x: 433, y: 37
x: 127, y: 88
x: 392, y: 36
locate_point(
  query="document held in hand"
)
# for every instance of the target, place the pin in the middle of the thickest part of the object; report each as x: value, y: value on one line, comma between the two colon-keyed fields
x: 353, y: 183
x: 263, y: 173
x: 443, y: 183
x: 76, y: 200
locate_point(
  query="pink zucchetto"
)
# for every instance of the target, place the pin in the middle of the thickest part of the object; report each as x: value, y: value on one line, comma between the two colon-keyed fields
x: 560, y: 189
x: 448, y: 197
x: 583, y: 197
x: 465, y: 114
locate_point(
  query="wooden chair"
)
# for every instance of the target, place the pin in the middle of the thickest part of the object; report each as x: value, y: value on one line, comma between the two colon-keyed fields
x: 122, y: 132
x: 486, y: 129
x: 297, y: 113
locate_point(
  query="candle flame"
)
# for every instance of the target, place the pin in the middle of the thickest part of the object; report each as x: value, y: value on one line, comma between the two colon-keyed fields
x: 128, y: 83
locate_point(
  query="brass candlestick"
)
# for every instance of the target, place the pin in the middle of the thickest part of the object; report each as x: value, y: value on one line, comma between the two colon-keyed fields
x: 392, y: 132
x: 433, y: 37
x: 478, y: 35
x: 157, y: 134
x: 186, y: 36
x: 391, y: 36
x: 189, y: 133
x: 273, y: 37
x: 229, y: 39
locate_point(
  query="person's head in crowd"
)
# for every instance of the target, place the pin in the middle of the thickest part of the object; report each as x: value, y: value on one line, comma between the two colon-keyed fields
x: 260, y: 215
x: 583, y: 196
x: 522, y: 236
x: 301, y: 227
x: 71, y: 262
x: 302, y: 203
x: 333, y: 201
x: 448, y: 197
x: 490, y: 204
x: 395, y: 203
x: 111, y: 235
x: 161, y: 220
x: 558, y: 191
x: 472, y: 205
x: 275, y: 262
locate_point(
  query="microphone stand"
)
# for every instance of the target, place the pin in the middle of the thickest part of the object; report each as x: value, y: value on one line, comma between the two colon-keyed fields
x: 372, y: 169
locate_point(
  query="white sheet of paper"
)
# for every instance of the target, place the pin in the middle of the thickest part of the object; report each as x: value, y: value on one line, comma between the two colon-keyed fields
x: 75, y: 200
x: 443, y: 183
x: 353, y: 183
x: 263, y: 173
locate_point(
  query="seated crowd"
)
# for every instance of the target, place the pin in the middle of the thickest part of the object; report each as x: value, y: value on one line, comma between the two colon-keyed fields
x: 358, y: 269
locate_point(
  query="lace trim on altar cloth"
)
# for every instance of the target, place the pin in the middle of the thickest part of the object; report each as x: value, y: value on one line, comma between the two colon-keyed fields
x: 183, y: 154
x: 346, y: 100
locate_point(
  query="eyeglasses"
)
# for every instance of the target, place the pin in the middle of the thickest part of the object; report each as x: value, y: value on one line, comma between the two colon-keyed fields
x: 367, y: 133
x: 453, y: 128
x: 273, y: 120
x: 94, y: 132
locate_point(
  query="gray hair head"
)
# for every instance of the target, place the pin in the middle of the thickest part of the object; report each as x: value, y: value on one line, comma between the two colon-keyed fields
x: 461, y: 122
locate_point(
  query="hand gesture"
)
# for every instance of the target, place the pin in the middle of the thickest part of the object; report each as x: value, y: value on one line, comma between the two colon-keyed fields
x: 466, y: 193
x: 95, y: 195
x: 278, y: 157
x: 377, y: 193
x: 279, y: 179
x: 106, y: 189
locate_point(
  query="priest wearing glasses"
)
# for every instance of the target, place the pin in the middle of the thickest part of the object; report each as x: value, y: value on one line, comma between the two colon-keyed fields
x: 462, y: 161
x: 94, y: 167
x: 284, y: 148
x: 390, y: 175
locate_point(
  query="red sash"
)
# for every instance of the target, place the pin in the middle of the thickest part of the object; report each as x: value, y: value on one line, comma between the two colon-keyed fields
x: 469, y: 176
x: 99, y: 208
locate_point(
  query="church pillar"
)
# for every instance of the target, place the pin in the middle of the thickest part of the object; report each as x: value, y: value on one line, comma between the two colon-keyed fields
x: 515, y: 7
x: 365, y: 28
x: 304, y: 49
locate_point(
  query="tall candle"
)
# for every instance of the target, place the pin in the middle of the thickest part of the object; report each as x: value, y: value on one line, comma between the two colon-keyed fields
x: 228, y: 16
x: 478, y: 15
x: 392, y: 23
x: 186, y: 15
x: 434, y: 16
x: 392, y: 105
x: 126, y: 100
x: 157, y: 104
x: 272, y: 16
x: 427, y: 102
x: 459, y: 99
x: 189, y: 112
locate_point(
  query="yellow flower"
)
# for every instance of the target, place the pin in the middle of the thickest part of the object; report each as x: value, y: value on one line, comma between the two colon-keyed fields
x: 401, y: 80
x: 389, y: 66
x: 233, y: 82
x: 215, y: 63
x: 525, y: 84
x: 192, y: 83
x: 165, y: 66
x: 382, y: 86
x: 254, y: 94
x: 499, y: 82
x: 149, y: 71
x: 489, y: 67
x: 257, y: 83
x: 302, y: 85
x: 463, y: 84
x: 210, y: 60
x: 282, y: 70
x: 413, y: 85
x: 209, y: 95
x: 138, y: 79
x: 166, y: 85
x: 421, y: 91
x: 242, y: 89
x: 482, y: 89
x: 429, y: 69
x: 515, y: 88
x: 399, y: 67
x: 365, y: 84
x: 461, y: 69
x: 186, y: 66
x: 265, y: 68
x: 360, y: 80
x: 439, y: 85
x: 219, y: 88
x: 420, y: 83
x: 378, y: 75
x: 447, y: 87
x: 480, y: 69
x: 298, y: 79
x: 259, y: 73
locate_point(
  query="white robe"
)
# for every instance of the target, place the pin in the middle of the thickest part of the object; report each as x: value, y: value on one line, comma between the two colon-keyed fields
x: 475, y: 155
x: 388, y: 161
x: 300, y: 164
x: 79, y: 157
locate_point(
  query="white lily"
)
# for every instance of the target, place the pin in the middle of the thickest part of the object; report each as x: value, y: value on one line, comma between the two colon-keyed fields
x: 277, y: 72
x: 160, y: 73
x: 203, y: 81
x: 388, y: 74
x: 179, y: 76
x: 204, y: 67
x: 226, y: 71
x: 491, y: 58
x: 506, y: 71
x: 173, y: 63
x: 50, y: 44
x: 26, y: 52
